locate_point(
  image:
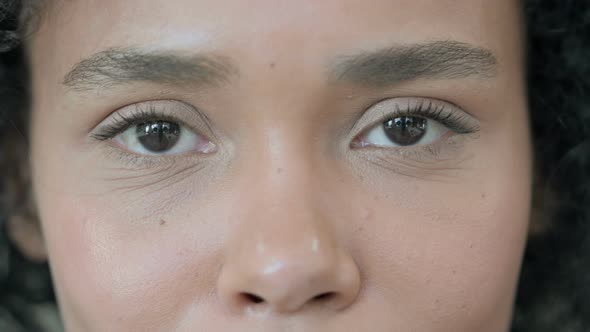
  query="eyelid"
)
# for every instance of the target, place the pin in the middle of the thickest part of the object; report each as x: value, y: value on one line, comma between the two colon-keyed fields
x: 167, y: 110
x: 408, y: 106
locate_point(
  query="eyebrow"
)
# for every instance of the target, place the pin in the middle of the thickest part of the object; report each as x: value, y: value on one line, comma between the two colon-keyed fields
x: 384, y: 67
x: 401, y: 63
x: 124, y: 65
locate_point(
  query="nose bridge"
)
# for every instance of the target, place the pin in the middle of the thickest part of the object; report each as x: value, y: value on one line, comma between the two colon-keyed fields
x: 283, y: 215
x: 284, y: 254
x: 282, y: 172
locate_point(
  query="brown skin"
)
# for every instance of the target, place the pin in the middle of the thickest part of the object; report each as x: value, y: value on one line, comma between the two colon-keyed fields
x: 287, y: 206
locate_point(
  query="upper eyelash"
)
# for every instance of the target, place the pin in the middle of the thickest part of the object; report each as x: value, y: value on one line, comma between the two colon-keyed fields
x: 426, y: 109
x: 141, y: 114
x: 429, y: 110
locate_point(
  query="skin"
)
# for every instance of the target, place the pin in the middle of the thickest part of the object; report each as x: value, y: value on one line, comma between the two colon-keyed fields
x: 285, y: 207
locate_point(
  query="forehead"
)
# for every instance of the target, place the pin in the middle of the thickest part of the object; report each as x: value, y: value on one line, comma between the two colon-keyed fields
x: 297, y: 27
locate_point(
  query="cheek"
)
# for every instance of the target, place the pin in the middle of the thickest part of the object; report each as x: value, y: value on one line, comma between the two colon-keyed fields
x: 450, y: 254
x: 111, y: 270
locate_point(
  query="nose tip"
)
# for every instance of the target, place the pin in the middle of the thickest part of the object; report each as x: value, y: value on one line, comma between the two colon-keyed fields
x: 290, y: 283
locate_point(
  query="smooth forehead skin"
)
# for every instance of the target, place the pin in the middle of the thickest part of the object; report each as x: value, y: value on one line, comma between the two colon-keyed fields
x: 285, y: 210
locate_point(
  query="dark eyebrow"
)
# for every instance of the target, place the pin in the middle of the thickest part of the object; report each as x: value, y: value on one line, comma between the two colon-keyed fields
x: 126, y: 65
x: 433, y: 60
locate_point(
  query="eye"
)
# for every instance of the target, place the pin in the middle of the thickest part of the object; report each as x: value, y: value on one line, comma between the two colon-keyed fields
x: 160, y: 137
x: 405, y: 122
x: 404, y: 131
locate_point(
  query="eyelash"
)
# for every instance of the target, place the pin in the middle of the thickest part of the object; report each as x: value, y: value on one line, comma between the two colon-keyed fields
x: 428, y: 109
x: 141, y: 114
x: 460, y: 124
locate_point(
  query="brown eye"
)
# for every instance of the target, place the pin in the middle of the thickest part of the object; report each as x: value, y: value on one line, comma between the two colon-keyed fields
x: 405, y: 130
x: 158, y: 136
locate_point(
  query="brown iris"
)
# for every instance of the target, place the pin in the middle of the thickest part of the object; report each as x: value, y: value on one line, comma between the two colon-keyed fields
x: 158, y: 136
x: 405, y: 130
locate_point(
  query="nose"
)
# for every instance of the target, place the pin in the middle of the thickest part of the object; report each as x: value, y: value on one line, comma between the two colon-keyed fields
x: 286, y: 264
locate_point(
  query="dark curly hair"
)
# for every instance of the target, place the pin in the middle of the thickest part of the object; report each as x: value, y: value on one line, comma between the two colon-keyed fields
x: 554, y: 286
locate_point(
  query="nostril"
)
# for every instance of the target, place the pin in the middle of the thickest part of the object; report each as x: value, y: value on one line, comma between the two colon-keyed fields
x: 324, y: 296
x: 249, y: 297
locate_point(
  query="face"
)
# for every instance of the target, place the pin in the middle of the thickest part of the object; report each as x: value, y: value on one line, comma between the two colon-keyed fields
x: 281, y: 165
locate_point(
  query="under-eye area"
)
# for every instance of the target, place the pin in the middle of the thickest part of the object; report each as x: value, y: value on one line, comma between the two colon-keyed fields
x: 150, y: 180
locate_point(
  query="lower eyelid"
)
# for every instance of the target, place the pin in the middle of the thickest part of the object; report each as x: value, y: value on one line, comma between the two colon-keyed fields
x: 137, y: 162
x: 451, y: 147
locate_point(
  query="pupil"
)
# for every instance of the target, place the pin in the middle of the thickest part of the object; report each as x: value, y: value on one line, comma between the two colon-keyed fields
x: 405, y: 130
x: 158, y: 136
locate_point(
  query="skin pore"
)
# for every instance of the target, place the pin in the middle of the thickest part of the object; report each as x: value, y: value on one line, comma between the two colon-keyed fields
x: 282, y: 206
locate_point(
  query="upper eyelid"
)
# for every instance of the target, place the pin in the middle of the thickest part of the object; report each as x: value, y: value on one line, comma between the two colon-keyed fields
x: 167, y: 110
x: 402, y: 104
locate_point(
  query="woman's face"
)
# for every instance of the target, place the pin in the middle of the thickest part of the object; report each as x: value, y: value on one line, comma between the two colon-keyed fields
x: 282, y: 165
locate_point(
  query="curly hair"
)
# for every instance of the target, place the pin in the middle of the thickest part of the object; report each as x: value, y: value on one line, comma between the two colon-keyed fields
x: 554, y: 291
x: 554, y: 285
